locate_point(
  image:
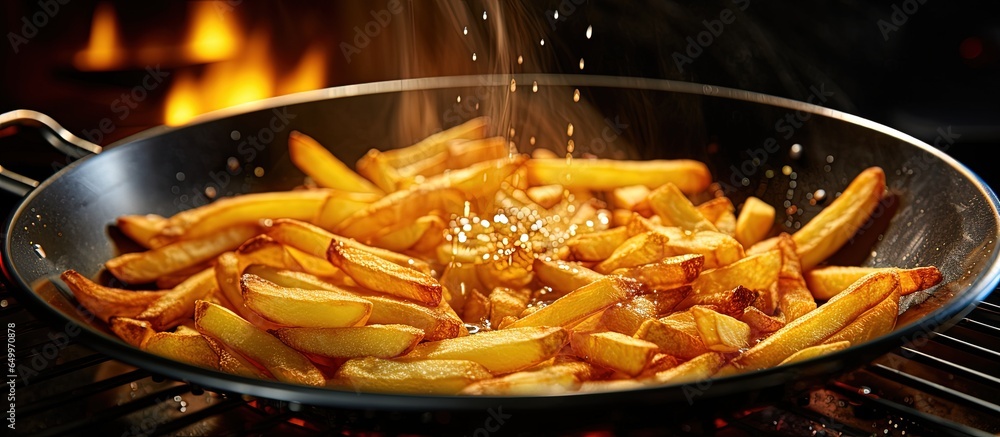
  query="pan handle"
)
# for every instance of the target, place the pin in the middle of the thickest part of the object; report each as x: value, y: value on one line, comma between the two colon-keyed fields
x: 58, y: 136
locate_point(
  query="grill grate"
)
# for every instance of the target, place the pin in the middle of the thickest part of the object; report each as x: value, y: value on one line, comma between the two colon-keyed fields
x: 948, y: 385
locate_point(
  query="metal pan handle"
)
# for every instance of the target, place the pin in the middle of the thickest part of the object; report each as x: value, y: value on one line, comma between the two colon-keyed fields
x: 60, y: 138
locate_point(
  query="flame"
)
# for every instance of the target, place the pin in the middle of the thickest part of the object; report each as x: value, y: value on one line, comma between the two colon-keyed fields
x: 243, y: 79
x: 212, y: 37
x: 103, y: 51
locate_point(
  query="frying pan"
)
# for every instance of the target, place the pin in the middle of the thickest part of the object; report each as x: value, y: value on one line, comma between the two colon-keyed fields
x: 937, y: 212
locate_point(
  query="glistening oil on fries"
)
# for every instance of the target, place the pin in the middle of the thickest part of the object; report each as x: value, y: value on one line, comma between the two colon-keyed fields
x: 459, y: 266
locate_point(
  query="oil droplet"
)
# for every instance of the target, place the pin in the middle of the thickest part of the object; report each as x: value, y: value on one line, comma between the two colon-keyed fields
x: 235, y: 135
x: 590, y: 31
x: 473, y: 56
x: 569, y: 130
x: 458, y: 99
x: 786, y: 170
x: 465, y: 30
x: 819, y: 195
x: 534, y: 86
x: 531, y: 141
x: 38, y: 250
x: 259, y: 171
x: 512, y: 131
x: 211, y: 192
x: 520, y: 60
x: 180, y: 176
x: 796, y: 151
x: 543, y: 41
x: 769, y: 174
x: 581, y: 63
x: 829, y: 159
x: 576, y: 95
x: 233, y: 163
x: 555, y: 15
x: 570, y: 146
x: 513, y: 85
x: 484, y: 15
x: 865, y: 390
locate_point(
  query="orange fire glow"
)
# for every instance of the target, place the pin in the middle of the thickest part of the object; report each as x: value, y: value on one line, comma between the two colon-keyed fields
x: 213, y: 36
x: 103, y: 52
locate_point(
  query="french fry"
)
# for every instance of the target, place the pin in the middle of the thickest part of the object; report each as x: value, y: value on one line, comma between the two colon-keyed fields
x: 303, y: 307
x: 341, y: 205
x: 721, y: 333
x: 459, y: 280
x: 614, y: 350
x: 754, y: 222
x: 477, y: 308
x: 376, y: 167
x: 234, y: 363
x: 380, y: 341
x: 675, y: 209
x: 714, y: 209
x: 825, y: 233
x: 132, y: 331
x: 243, y: 209
x: 582, y: 302
x: 445, y: 377
x: 105, y: 302
x: 380, y: 275
x: 546, y: 196
x: 504, y: 302
x: 596, y: 246
x: 755, y: 272
x: 629, y: 316
x: 502, y: 351
x: 604, y: 174
x: 878, y: 321
x: 409, y: 234
x: 178, y: 303
x: 628, y: 197
x: 732, y: 302
x: 463, y: 153
x: 191, y: 349
x: 323, y: 167
x: 436, y: 144
x: 669, y: 272
x: 696, y: 369
x: 760, y: 322
x: 719, y: 249
x: 645, y: 248
x: 827, y: 282
x: 142, y: 228
x: 563, y: 277
x: 812, y: 328
x: 675, y: 335
x: 794, y: 297
x: 316, y: 241
x: 557, y: 378
x: 816, y: 351
x: 285, y: 363
x: 143, y: 267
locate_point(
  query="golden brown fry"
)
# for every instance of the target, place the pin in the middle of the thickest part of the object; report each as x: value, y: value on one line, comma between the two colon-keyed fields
x: 191, y: 349
x: 105, y: 302
x: 303, y: 307
x: 372, y: 374
x: 825, y: 233
x: 463, y: 153
x: 675, y: 209
x: 143, y: 267
x: 669, y: 272
x: 731, y: 302
x: 323, y: 167
x: 582, y: 302
x: 816, y: 351
x: 380, y: 341
x: 316, y: 241
x: 458, y: 280
x: 553, y: 379
x: 628, y: 197
x: 698, y: 368
x: 503, y: 351
x: 132, y: 331
x: 142, y: 228
x: 794, y: 298
x: 614, y: 350
x: 878, y: 321
x: 817, y: 325
x: 243, y: 209
x: 285, y: 363
x: 596, y: 246
x: 754, y: 222
x: 604, y: 174
x: 629, y: 316
x: 719, y: 249
x: 407, y: 235
x: 827, y: 282
x: 563, y: 277
x: 178, y: 303
x: 760, y: 322
x: 504, y: 302
x: 645, y: 248
x: 476, y: 309
x: 232, y: 362
x: 547, y: 196
x: 721, y: 333
x: 341, y: 205
x: 756, y: 272
x: 377, y: 274
x: 676, y: 335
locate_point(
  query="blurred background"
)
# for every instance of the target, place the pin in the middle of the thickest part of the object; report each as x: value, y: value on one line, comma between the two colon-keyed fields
x: 109, y: 69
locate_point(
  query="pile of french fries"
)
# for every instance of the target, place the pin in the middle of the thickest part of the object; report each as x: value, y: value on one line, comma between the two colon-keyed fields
x: 459, y: 266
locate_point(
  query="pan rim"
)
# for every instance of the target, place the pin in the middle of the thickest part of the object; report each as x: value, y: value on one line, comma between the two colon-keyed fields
x: 941, y: 317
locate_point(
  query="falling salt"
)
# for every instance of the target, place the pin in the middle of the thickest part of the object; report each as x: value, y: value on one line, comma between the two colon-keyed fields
x: 520, y: 60
x: 484, y: 15
x: 543, y: 41
x: 38, y: 250
x: 590, y: 31
x: 581, y: 63
x: 534, y: 86
x: 576, y: 95
x: 555, y: 15
x: 465, y: 30
x: 473, y: 56
x: 513, y: 85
